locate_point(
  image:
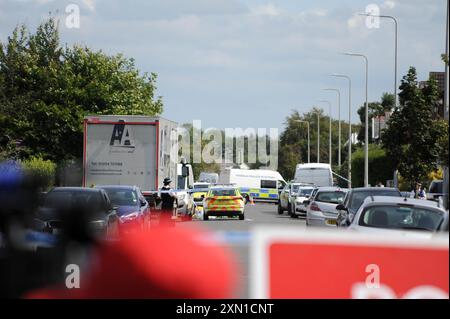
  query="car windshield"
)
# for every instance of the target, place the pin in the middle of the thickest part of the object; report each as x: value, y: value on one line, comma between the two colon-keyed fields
x: 334, y: 197
x: 305, y: 191
x: 359, y: 197
x: 223, y: 192
x: 401, y: 217
x: 201, y: 186
x: 122, y: 197
x: 61, y: 199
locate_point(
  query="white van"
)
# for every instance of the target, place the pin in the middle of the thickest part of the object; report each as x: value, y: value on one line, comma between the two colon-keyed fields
x: 261, y: 184
x: 206, y: 177
x: 315, y: 173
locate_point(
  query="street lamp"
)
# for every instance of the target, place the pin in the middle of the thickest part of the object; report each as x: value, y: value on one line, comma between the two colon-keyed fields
x: 318, y: 137
x: 395, y: 50
x: 309, y: 142
x: 366, y: 141
x: 329, y: 138
x: 349, y: 125
x: 339, y: 121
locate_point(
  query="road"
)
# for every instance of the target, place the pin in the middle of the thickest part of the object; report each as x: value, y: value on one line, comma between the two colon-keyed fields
x: 235, y: 234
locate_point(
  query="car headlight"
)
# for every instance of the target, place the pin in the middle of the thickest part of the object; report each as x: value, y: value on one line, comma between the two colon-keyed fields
x: 129, y: 217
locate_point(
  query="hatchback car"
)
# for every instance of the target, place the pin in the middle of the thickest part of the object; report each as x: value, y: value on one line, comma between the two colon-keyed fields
x: 132, y: 208
x: 79, y: 211
x: 321, y: 209
x: 386, y: 214
x: 223, y: 201
x: 355, y: 198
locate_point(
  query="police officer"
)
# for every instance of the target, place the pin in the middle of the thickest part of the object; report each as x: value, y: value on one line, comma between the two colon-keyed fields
x: 168, y: 200
x: 167, y: 196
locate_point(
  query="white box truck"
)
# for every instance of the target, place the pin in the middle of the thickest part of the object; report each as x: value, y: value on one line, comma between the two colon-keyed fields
x: 133, y: 150
x: 128, y: 150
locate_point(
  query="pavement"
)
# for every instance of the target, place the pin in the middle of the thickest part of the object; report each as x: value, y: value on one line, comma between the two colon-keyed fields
x: 236, y: 234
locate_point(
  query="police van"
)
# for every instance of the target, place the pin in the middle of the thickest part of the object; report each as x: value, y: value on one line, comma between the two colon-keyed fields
x: 261, y: 185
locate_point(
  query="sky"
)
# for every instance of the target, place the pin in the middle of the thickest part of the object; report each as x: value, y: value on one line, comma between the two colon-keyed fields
x: 249, y: 63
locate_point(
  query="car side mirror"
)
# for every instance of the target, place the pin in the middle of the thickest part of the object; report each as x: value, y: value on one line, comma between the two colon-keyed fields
x: 341, y: 207
x: 202, y: 196
x: 143, y: 203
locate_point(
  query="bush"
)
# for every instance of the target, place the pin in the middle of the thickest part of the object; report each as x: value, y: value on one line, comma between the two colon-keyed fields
x: 381, y: 168
x: 43, y: 170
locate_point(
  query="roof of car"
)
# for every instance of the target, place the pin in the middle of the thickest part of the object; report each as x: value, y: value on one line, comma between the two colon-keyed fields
x: 116, y: 186
x: 75, y: 189
x: 304, y: 185
x: 365, y: 189
x: 332, y: 189
x: 402, y: 200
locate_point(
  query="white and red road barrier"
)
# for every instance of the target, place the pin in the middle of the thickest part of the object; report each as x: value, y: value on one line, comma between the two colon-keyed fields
x: 294, y: 263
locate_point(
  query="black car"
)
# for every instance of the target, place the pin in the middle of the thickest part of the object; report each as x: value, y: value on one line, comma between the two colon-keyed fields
x: 77, y: 209
x: 354, y: 199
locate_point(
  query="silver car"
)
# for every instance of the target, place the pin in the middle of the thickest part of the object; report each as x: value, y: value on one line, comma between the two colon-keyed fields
x: 321, y: 208
x: 303, y: 195
x: 396, y: 215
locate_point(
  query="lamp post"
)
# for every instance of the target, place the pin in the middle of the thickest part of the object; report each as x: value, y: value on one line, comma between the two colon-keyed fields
x: 395, y: 48
x: 318, y: 137
x: 329, y: 135
x: 339, y: 123
x: 309, y: 142
x: 366, y: 140
x: 349, y: 158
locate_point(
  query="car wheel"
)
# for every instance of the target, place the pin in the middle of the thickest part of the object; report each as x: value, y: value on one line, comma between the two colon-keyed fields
x: 294, y: 215
x: 241, y: 217
x: 205, y: 216
x: 280, y: 210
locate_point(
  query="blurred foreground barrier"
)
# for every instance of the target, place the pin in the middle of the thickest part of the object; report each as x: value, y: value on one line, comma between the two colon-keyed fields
x: 287, y: 263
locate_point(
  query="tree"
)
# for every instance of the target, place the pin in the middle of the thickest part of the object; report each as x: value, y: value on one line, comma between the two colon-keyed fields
x: 294, y: 140
x: 46, y: 90
x: 381, y: 166
x: 387, y: 102
x: 375, y: 109
x: 411, y: 139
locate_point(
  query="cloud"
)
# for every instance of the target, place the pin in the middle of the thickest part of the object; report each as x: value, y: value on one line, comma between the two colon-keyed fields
x: 90, y: 4
x: 388, y: 4
x: 266, y: 10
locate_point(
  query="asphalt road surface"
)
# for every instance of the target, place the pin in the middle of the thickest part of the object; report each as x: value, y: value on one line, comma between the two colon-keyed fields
x: 235, y: 234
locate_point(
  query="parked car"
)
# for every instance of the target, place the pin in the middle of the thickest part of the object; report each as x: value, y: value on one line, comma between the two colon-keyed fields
x: 435, y: 190
x: 303, y: 194
x: 354, y: 199
x: 132, y: 208
x: 390, y: 215
x: 66, y: 208
x: 321, y: 209
x: 289, y: 194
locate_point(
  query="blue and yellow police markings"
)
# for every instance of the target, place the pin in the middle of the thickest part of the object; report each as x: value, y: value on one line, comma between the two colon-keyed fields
x: 260, y: 193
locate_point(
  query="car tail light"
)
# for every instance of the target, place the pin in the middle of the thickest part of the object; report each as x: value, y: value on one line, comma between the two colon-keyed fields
x: 314, y: 207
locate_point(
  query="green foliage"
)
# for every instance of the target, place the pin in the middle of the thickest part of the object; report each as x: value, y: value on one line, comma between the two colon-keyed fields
x: 381, y: 167
x: 294, y: 140
x: 46, y: 90
x: 413, y: 140
x: 43, y: 170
